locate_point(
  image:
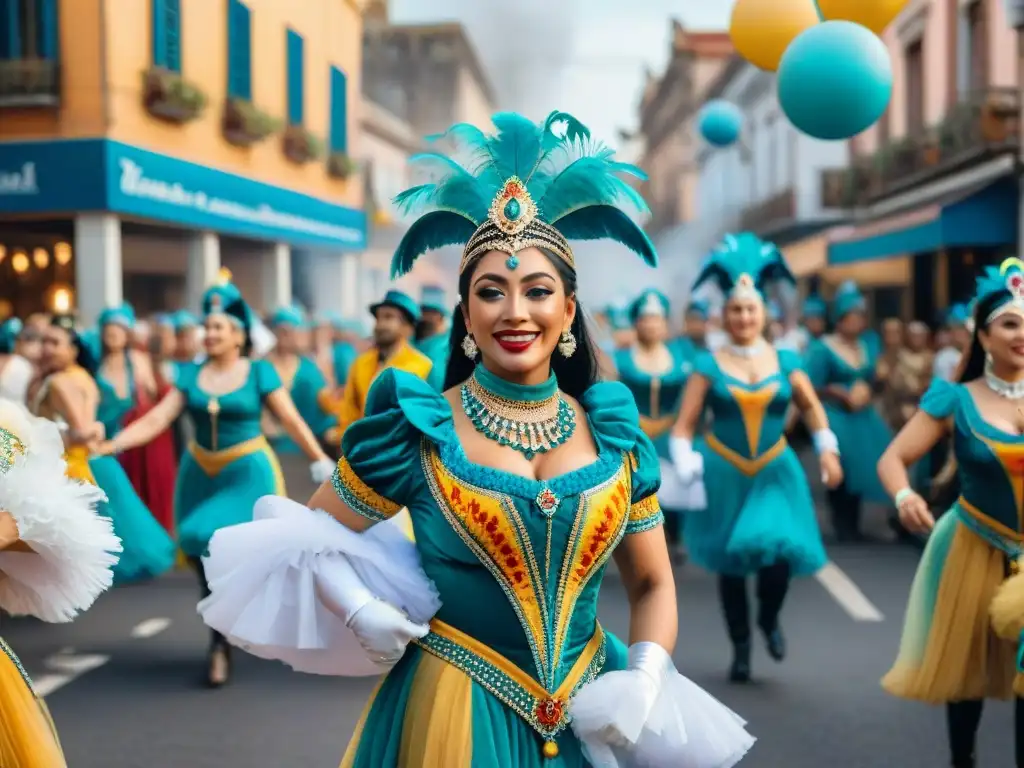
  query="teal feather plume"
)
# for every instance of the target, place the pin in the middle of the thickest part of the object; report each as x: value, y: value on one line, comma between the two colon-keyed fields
x: 517, y: 148
x: 744, y: 254
x: 433, y: 230
x: 599, y: 222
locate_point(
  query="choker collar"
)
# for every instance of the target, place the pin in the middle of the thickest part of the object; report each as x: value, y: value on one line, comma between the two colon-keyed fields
x: 1011, y: 390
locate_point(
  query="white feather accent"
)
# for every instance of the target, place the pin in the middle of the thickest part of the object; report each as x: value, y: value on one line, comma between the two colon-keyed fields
x: 73, y: 548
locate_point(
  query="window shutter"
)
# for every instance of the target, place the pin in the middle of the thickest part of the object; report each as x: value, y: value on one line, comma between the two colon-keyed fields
x: 172, y: 34
x: 295, y: 78
x: 159, y: 35
x: 339, y: 111
x: 10, y: 29
x: 48, y: 42
x: 239, y: 51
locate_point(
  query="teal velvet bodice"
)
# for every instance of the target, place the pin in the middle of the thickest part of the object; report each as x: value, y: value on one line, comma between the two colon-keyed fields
x: 436, y: 348
x: 747, y: 418
x: 517, y: 562
x: 112, y: 407
x: 237, y: 412
x: 825, y: 367
x: 656, y: 395
x: 990, y: 461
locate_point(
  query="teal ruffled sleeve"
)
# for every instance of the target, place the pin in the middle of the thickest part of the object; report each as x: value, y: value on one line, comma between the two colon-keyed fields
x: 379, y: 471
x: 615, y: 422
x: 267, y: 378
x: 818, y: 364
x: 941, y: 399
x: 185, y: 376
x: 705, y: 365
x: 789, y: 362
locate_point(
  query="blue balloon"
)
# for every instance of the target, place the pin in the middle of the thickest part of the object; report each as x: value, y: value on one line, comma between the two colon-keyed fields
x: 835, y: 80
x: 720, y: 123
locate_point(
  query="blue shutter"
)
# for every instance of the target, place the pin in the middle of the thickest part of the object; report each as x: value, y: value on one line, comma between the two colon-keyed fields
x: 159, y: 34
x: 48, y: 41
x: 339, y: 111
x: 295, y: 78
x: 239, y: 51
x: 172, y: 34
x: 10, y: 29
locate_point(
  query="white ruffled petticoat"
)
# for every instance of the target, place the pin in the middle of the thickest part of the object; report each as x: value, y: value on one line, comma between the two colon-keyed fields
x: 674, y: 494
x: 263, y: 575
x: 73, y: 548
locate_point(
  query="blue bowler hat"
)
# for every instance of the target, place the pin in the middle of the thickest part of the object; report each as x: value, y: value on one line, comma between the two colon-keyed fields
x: 122, y: 315
x: 814, y: 306
x: 292, y: 316
x: 699, y: 308
x: 399, y: 300
x: 432, y: 299
x: 183, y: 320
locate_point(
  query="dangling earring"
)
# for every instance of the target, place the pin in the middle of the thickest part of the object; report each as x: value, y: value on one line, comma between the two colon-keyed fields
x: 567, y: 344
x: 469, y: 347
x: 988, y: 359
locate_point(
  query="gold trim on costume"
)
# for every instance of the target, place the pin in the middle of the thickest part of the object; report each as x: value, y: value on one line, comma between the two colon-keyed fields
x: 656, y: 427
x: 359, y: 496
x: 77, y: 459
x: 990, y: 522
x: 748, y: 467
x: 214, y: 462
x: 645, y: 513
x: 1011, y: 459
x: 753, y: 405
x: 437, y: 727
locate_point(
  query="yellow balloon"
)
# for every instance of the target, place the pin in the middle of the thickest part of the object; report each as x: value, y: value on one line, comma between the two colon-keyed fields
x: 761, y: 30
x: 876, y: 15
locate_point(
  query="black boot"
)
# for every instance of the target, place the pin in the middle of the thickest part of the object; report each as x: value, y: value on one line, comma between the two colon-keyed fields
x: 733, y: 593
x: 772, y: 586
x: 962, y: 721
x: 739, y: 671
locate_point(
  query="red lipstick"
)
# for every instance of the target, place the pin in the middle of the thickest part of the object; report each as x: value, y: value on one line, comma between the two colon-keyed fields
x: 516, y: 342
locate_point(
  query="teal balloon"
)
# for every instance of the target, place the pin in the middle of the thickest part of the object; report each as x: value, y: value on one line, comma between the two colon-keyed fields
x: 720, y: 123
x: 835, y: 80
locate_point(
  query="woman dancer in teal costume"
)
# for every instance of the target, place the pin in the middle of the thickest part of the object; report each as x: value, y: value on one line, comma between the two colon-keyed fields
x: 760, y: 516
x: 70, y: 395
x: 950, y: 653
x: 303, y: 380
x: 842, y: 367
x: 230, y: 464
x: 655, y: 373
x: 561, y: 478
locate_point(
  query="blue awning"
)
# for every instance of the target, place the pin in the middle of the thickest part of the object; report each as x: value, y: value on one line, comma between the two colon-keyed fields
x: 980, y: 217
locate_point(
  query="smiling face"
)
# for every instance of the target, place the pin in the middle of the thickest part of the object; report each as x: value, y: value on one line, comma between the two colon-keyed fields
x: 517, y: 316
x: 744, y: 319
x: 115, y: 337
x: 58, y: 351
x: 223, y: 336
x: 1004, y: 340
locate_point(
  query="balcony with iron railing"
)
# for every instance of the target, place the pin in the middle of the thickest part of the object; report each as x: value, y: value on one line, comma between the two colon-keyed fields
x: 973, y: 131
x: 29, y: 83
x: 778, y: 209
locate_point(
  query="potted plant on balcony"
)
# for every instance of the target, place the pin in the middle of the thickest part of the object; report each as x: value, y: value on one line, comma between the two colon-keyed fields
x: 1000, y: 114
x: 931, y: 150
x: 300, y: 146
x: 341, y: 166
x: 957, y: 130
x: 246, y: 124
x: 166, y: 95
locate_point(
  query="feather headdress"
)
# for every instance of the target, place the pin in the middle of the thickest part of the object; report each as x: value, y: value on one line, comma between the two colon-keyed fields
x: 1001, y: 289
x: 526, y: 185
x: 745, y: 265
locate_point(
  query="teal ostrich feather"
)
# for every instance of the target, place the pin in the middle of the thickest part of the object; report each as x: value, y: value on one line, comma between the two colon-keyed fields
x: 433, y: 230
x: 744, y: 254
x: 576, y: 183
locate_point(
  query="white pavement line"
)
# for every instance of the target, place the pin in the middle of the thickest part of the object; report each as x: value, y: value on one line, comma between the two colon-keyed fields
x: 150, y: 627
x: 847, y: 594
x: 66, y: 668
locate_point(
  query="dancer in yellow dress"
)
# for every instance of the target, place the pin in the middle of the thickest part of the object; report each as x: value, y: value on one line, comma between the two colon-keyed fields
x: 56, y: 556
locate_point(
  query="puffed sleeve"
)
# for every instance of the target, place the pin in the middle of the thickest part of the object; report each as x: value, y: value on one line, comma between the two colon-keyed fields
x: 940, y: 400
x: 704, y: 364
x: 817, y: 364
x: 789, y: 362
x: 185, y: 376
x: 644, y: 510
x: 380, y: 453
x: 267, y: 378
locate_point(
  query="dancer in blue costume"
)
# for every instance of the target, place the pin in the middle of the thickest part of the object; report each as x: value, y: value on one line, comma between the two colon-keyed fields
x: 521, y: 480
x: 655, y: 373
x: 813, y: 320
x: 695, y: 328
x: 305, y: 383
x: 70, y: 395
x: 433, y: 334
x: 950, y: 653
x: 842, y: 367
x: 229, y: 465
x: 760, y: 516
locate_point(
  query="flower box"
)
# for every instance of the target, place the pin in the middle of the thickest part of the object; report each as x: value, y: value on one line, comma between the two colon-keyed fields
x: 168, y: 96
x: 300, y: 146
x: 340, y: 165
x: 245, y: 124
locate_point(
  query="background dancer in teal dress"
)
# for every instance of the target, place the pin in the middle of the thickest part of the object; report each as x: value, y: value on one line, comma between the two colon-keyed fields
x: 693, y: 339
x: 299, y: 373
x: 432, y: 333
x: 950, y: 653
x: 760, y: 516
x: 561, y: 478
x: 70, y: 396
x: 230, y: 464
x: 842, y: 367
x: 655, y: 373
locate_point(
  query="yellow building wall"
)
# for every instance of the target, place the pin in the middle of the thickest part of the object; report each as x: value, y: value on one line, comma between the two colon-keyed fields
x: 81, y: 114
x: 332, y: 31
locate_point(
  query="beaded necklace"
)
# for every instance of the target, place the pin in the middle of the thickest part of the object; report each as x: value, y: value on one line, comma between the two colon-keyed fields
x: 531, y: 419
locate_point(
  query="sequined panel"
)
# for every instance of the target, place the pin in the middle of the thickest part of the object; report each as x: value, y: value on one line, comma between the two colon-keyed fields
x: 359, y: 496
x: 10, y: 448
x: 5, y: 649
x: 644, y: 515
x: 491, y: 527
x: 599, y: 525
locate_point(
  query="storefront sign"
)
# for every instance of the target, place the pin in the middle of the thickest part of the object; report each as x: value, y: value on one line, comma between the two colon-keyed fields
x: 90, y: 175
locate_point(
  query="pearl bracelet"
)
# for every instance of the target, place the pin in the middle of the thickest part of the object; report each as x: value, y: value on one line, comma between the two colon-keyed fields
x: 902, y: 496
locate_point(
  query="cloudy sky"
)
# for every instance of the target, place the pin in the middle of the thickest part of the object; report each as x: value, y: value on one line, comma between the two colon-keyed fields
x: 586, y: 57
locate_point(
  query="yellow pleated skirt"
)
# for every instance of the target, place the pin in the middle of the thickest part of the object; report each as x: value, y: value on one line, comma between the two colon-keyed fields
x: 28, y: 738
x: 949, y: 651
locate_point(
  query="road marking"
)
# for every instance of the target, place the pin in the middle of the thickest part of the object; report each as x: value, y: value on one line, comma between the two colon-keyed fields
x: 150, y: 627
x: 66, y: 667
x: 847, y: 594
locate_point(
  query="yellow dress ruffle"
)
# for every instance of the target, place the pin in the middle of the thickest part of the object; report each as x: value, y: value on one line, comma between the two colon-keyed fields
x: 27, y: 736
x: 77, y: 458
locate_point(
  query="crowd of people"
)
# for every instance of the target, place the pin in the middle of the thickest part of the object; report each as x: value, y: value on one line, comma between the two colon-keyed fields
x: 501, y: 455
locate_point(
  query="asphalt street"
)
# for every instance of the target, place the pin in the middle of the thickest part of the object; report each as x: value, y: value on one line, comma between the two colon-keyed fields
x: 125, y: 682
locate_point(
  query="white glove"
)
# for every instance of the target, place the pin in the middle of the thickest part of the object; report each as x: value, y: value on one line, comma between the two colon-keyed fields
x: 381, y: 629
x: 321, y: 470
x: 609, y: 713
x: 689, y: 463
x: 825, y: 441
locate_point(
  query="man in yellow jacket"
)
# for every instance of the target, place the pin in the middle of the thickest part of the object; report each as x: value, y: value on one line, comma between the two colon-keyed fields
x: 396, y: 317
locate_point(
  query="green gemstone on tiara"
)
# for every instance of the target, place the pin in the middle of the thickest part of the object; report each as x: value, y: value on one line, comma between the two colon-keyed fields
x: 512, y: 262
x: 513, y: 209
